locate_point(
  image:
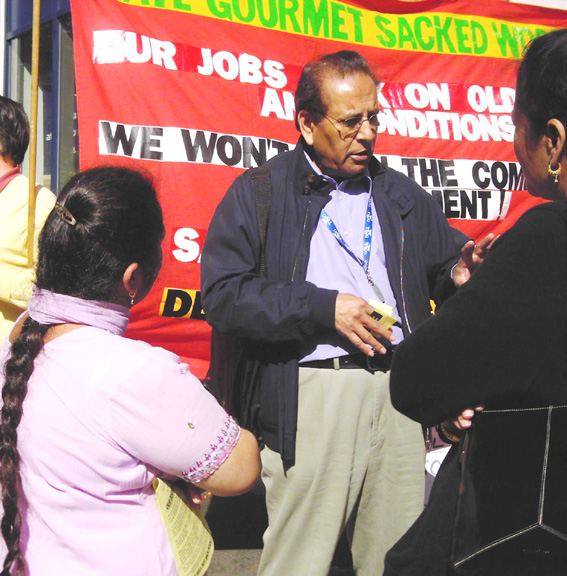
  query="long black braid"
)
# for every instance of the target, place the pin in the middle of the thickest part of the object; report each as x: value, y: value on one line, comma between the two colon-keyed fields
x: 18, y: 369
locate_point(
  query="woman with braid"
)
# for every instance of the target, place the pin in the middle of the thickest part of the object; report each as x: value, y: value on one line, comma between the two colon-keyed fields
x: 89, y: 419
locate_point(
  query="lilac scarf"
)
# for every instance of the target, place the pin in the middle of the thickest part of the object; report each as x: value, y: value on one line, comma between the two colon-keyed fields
x: 51, y: 308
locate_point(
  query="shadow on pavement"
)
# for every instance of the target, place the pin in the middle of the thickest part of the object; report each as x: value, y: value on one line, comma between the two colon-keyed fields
x: 239, y: 522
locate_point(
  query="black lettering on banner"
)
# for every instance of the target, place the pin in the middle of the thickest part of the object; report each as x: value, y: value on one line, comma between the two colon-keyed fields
x: 229, y: 150
x: 516, y: 179
x: 179, y: 303
x: 499, y: 175
x: 148, y: 143
x: 466, y: 204
x: 119, y: 138
x: 450, y: 198
x: 192, y: 149
x: 431, y: 172
x: 162, y: 144
x: 260, y: 154
x: 148, y: 135
x: 479, y: 174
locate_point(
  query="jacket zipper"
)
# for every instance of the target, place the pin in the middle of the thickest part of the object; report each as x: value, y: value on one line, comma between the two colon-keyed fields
x: 402, y: 281
x: 302, y: 238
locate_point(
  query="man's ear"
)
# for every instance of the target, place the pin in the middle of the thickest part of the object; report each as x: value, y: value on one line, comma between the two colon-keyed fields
x: 305, y: 126
x: 557, y: 135
x: 132, y: 279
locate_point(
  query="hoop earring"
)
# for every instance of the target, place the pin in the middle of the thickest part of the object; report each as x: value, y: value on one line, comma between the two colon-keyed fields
x: 554, y: 173
x: 132, y: 297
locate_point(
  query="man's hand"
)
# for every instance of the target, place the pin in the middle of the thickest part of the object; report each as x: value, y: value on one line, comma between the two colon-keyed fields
x: 472, y: 256
x: 354, y: 321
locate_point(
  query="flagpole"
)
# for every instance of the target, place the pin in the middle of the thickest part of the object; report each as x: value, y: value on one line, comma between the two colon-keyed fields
x: 33, y: 131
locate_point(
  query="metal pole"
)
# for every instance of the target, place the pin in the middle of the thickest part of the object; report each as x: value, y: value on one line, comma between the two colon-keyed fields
x: 33, y: 130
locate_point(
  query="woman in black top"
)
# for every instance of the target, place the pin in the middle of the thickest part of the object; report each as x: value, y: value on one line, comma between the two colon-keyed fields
x: 501, y: 341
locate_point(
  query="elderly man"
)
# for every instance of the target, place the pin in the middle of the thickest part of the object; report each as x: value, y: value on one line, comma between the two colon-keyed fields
x: 16, y: 276
x: 343, y: 230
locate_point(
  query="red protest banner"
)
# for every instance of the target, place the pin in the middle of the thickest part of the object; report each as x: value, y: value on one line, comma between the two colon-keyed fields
x: 197, y: 91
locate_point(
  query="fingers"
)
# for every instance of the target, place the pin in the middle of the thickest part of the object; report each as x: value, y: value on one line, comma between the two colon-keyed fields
x: 353, y: 320
x: 483, y: 248
x: 464, y: 420
x: 485, y: 244
x: 467, y: 251
x: 199, y: 496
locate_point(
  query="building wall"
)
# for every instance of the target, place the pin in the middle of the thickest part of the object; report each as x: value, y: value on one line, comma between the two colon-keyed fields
x: 2, y: 43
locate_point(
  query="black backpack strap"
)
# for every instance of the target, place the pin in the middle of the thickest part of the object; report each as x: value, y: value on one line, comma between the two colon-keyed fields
x: 263, y: 193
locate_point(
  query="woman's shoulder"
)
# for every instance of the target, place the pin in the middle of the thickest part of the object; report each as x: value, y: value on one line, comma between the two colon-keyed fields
x: 102, y: 347
x: 548, y: 211
x: 540, y: 227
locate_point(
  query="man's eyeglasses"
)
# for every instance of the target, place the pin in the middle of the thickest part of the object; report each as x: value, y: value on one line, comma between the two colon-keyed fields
x: 349, y: 127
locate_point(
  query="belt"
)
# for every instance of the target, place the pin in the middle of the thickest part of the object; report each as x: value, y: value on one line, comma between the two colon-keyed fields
x: 378, y: 363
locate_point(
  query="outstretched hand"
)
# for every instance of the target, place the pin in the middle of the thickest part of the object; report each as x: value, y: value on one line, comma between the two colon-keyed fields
x: 472, y: 256
x: 353, y: 319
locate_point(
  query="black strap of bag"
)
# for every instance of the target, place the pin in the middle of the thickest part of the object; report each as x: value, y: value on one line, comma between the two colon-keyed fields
x: 512, y: 508
x: 263, y: 193
x: 233, y: 376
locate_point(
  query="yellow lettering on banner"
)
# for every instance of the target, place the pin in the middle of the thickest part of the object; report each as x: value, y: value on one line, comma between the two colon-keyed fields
x: 180, y: 303
x: 433, y: 32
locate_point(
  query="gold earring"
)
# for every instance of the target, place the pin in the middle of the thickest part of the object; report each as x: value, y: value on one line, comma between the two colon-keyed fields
x: 132, y: 297
x: 554, y: 173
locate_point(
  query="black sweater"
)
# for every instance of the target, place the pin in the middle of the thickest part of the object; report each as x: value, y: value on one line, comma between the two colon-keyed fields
x: 501, y: 341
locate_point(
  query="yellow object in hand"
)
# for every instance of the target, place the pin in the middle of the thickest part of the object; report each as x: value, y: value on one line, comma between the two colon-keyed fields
x: 383, y: 313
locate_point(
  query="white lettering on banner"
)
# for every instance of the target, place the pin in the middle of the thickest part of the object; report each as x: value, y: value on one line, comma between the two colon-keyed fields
x: 447, y: 125
x: 283, y: 108
x: 447, y: 111
x: 117, y: 46
x: 175, y: 144
x: 187, y: 249
x: 465, y: 189
x: 246, y: 67
x: 483, y: 99
x: 429, y: 95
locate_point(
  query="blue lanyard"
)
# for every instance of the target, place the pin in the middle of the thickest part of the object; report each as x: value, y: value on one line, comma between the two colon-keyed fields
x: 364, y: 262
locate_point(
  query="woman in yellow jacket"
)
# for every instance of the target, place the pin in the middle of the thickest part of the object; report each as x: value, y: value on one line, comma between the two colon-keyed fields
x: 16, y: 276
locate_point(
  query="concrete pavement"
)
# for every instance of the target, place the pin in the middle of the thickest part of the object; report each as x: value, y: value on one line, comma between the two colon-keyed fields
x: 234, y: 563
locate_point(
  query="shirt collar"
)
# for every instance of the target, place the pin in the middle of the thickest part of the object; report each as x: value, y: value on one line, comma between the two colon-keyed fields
x: 359, y: 183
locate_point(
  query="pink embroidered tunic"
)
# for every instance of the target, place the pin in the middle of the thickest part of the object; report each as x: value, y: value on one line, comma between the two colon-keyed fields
x: 103, y: 417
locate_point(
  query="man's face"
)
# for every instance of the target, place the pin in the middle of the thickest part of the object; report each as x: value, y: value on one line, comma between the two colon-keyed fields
x: 340, y: 151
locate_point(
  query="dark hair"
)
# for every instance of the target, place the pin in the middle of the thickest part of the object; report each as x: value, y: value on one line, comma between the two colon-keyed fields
x: 118, y: 221
x: 541, y: 88
x: 14, y: 130
x: 308, y: 95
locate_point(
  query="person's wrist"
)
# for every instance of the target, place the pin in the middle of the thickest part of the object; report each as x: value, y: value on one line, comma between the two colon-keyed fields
x: 451, y: 437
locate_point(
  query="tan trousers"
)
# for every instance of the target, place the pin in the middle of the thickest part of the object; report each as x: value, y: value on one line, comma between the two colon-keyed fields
x: 359, y: 465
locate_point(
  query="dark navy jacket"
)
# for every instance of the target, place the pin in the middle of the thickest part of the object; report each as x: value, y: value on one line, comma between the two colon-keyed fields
x: 279, y: 312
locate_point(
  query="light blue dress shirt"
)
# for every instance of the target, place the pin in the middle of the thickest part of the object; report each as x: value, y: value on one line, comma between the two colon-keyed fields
x: 331, y: 266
